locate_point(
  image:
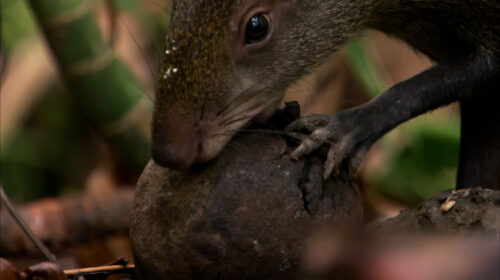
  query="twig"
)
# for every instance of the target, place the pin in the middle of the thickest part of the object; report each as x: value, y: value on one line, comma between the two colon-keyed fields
x: 99, y: 269
x: 13, y: 212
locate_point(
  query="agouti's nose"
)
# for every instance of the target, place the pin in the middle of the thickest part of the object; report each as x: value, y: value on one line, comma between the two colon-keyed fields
x: 174, y: 156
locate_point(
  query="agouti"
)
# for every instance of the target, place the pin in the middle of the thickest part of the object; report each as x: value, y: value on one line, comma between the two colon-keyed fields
x: 228, y: 62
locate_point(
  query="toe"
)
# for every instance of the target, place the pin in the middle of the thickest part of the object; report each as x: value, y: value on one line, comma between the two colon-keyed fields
x: 295, y: 126
x: 329, y: 163
x: 297, y: 135
x: 307, y: 146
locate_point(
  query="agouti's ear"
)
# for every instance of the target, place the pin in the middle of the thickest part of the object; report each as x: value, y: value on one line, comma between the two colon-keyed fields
x: 254, y: 26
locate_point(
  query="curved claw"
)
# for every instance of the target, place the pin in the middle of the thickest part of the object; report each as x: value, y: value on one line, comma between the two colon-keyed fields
x: 347, y: 143
x: 329, y: 164
x: 336, y: 155
x: 311, y: 143
x: 297, y: 135
x: 306, y: 147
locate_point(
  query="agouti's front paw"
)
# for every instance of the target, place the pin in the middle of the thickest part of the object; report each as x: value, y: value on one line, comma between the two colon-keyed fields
x: 348, y: 139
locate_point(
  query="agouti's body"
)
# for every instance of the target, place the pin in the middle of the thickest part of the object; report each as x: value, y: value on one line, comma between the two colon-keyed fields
x: 230, y: 61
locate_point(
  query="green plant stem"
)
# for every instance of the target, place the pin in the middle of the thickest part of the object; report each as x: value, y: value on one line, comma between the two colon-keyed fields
x: 103, y: 90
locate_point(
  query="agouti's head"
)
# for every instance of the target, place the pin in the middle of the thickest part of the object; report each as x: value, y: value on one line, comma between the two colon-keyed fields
x: 228, y: 62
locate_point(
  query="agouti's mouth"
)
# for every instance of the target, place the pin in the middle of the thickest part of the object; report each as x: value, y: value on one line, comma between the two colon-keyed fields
x: 201, y: 142
x: 216, y: 132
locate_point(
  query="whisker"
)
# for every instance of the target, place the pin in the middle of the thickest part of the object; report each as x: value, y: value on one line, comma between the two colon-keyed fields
x: 228, y: 109
x: 144, y: 92
x: 141, y: 51
x: 235, y: 147
x: 238, y: 106
x: 264, y: 131
x: 242, y: 101
x: 229, y: 118
x: 164, y: 7
x: 225, y: 107
x: 243, y: 95
x: 238, y: 146
x: 223, y: 134
x: 227, y: 123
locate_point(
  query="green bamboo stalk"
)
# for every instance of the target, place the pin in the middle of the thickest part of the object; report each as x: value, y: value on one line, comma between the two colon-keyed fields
x: 104, y: 91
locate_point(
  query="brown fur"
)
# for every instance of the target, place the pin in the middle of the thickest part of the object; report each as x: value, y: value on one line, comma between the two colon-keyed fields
x: 219, y: 79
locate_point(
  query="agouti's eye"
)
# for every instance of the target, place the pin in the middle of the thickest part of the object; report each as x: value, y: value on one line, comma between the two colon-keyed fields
x: 257, y: 29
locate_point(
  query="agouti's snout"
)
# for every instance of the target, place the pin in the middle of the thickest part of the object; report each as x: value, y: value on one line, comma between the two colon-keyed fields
x: 174, y: 157
x: 179, y: 140
x: 177, y: 150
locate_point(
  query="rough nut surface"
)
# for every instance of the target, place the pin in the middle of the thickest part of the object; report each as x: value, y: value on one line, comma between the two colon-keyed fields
x: 475, y: 210
x: 246, y: 215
